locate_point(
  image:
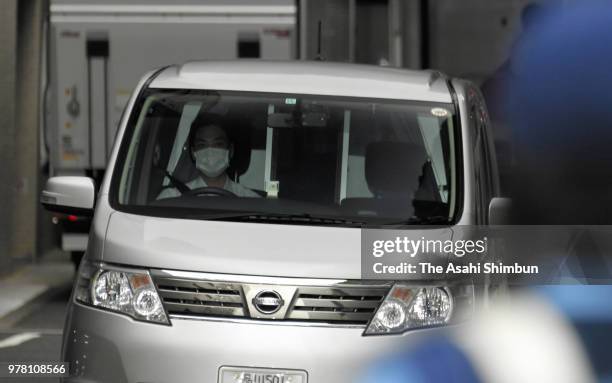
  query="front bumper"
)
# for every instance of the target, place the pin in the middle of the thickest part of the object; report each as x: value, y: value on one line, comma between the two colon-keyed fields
x: 107, y: 347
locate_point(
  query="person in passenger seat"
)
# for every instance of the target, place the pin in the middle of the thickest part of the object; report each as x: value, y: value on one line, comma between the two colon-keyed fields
x: 211, y: 151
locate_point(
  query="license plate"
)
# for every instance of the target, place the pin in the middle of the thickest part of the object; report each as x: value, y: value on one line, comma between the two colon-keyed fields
x: 260, y: 375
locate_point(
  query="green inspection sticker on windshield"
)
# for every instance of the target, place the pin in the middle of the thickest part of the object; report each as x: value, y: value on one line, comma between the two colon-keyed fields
x: 290, y: 101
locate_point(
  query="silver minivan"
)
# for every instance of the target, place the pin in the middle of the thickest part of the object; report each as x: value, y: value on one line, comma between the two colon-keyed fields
x: 225, y: 244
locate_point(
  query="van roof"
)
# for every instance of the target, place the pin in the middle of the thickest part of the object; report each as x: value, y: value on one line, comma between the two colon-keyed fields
x: 307, y: 77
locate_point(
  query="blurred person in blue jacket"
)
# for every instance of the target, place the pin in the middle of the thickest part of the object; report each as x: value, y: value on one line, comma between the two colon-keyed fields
x: 559, y: 109
x: 525, y: 339
x: 558, y: 106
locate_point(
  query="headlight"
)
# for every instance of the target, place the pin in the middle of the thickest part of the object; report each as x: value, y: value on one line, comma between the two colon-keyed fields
x: 122, y: 290
x: 409, y: 307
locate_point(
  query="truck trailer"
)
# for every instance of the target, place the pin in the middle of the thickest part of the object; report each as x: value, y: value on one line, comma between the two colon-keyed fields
x: 96, y: 51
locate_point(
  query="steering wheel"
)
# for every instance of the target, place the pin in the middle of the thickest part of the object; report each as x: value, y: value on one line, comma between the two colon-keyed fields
x: 210, y: 190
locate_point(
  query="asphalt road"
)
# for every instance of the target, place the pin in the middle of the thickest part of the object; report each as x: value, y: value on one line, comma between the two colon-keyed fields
x: 36, y: 337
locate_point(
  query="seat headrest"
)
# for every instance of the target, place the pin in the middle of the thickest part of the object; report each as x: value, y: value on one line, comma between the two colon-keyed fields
x: 240, y: 161
x: 394, y: 167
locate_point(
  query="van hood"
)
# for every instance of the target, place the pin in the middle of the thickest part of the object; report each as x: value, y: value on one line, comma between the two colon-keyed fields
x: 235, y: 247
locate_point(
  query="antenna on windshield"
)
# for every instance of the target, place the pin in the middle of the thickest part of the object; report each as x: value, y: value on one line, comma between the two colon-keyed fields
x: 319, y: 56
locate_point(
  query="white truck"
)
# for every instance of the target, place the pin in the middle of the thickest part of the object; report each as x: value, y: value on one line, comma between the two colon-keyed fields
x: 97, y: 50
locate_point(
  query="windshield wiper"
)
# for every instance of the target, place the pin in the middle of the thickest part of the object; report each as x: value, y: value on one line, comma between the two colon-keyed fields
x: 430, y: 220
x: 283, y: 217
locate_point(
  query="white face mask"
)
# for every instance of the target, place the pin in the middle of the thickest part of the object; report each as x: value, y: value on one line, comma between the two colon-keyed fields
x: 212, y: 161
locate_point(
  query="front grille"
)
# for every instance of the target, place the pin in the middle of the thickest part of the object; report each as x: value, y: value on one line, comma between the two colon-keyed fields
x: 345, y: 303
x: 329, y: 304
x: 193, y: 297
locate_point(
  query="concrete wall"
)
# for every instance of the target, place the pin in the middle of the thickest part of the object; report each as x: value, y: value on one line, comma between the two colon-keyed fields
x: 20, y: 59
x: 29, y: 39
x: 8, y: 64
x: 334, y: 16
x: 363, y: 31
x: 472, y: 38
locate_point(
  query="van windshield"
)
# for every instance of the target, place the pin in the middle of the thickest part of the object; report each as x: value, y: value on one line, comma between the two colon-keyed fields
x: 279, y: 157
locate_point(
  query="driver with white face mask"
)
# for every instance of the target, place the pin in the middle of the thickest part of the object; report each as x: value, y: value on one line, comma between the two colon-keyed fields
x: 211, y: 152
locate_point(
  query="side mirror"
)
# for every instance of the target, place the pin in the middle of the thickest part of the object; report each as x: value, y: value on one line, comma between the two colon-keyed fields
x: 499, y: 211
x: 69, y: 195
